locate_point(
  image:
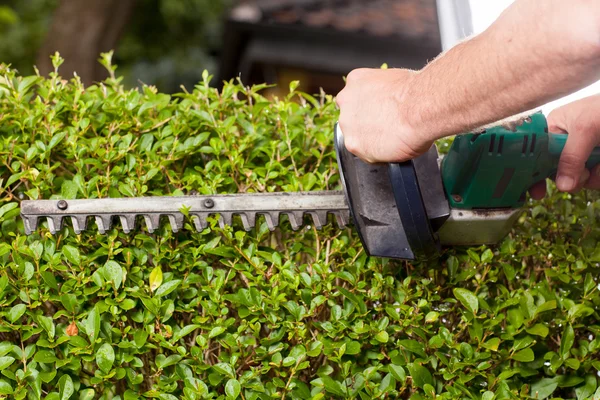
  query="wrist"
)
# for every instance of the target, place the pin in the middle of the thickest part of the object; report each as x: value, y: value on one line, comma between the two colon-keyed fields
x: 420, y: 108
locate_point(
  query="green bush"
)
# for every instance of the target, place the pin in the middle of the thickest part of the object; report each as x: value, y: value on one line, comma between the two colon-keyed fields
x: 229, y: 314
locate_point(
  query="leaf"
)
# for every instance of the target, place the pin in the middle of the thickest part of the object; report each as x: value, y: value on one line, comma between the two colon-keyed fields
x: 167, y: 288
x: 69, y: 190
x: 420, y: 375
x: 65, y: 383
x: 566, y: 341
x: 525, y: 355
x: 387, y: 383
x: 584, y: 392
x: 71, y: 254
x: 114, y: 273
x: 382, y: 337
x: 413, y: 346
x: 216, y: 331
x: 225, y: 369
x: 48, y: 325
x: 232, y: 389
x: 105, y: 357
x: 398, y: 372
x: 69, y: 301
x: 538, y: 330
x: 16, y: 312
x: 334, y: 387
x: 5, y: 387
x: 6, y: 362
x: 8, y: 207
x: 468, y: 299
x: 92, y: 325
x: 543, y: 388
x: 432, y: 316
x: 156, y: 278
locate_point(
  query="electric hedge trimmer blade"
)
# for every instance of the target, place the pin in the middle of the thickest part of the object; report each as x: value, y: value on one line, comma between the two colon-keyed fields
x: 319, y: 205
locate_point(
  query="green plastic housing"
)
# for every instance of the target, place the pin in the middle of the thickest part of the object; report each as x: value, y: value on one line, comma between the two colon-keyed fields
x: 496, y: 168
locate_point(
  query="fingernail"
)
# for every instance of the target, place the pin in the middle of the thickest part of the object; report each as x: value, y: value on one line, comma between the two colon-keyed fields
x: 565, y: 183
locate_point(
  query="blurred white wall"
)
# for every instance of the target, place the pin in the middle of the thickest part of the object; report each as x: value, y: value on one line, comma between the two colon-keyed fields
x: 484, y: 12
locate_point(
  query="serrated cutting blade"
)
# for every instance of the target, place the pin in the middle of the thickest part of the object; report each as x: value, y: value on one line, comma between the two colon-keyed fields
x: 247, y: 206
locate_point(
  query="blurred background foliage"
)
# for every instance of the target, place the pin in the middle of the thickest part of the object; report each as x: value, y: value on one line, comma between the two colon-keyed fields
x: 23, y: 25
x: 167, y: 43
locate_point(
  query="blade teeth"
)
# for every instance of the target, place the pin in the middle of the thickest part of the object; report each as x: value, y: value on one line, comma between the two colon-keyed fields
x: 296, y: 219
x: 342, y: 218
x: 248, y: 220
x: 200, y: 221
x: 176, y: 221
x: 127, y: 222
x: 104, y: 223
x: 31, y: 224
x: 226, y: 218
x: 272, y: 219
x: 319, y: 218
x: 79, y: 224
x: 54, y: 224
x: 152, y: 222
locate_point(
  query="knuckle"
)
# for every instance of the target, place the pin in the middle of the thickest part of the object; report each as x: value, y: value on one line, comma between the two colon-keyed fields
x: 355, y: 74
x: 352, y: 145
x: 571, y: 161
x: 340, y: 98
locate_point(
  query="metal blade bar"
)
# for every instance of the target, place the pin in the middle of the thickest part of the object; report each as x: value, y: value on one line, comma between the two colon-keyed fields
x: 248, y: 206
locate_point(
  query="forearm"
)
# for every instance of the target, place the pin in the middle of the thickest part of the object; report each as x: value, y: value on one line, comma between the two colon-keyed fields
x: 534, y: 53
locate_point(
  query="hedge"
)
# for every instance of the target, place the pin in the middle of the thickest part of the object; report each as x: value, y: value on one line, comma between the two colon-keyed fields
x: 228, y: 314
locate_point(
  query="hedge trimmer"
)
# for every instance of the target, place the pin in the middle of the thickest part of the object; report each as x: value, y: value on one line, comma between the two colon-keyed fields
x: 401, y: 210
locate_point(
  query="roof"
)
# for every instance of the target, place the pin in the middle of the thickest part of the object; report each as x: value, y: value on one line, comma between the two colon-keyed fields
x: 408, y: 19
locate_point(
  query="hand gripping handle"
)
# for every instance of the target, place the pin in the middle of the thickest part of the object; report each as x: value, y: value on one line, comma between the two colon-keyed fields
x: 495, y: 169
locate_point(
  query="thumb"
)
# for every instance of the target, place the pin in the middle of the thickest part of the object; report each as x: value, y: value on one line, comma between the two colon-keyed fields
x: 571, y: 166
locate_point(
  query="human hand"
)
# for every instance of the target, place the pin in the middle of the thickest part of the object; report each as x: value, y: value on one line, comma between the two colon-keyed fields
x: 377, y: 116
x: 581, y: 120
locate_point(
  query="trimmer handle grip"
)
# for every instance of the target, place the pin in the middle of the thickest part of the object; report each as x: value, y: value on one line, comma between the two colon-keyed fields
x: 496, y: 168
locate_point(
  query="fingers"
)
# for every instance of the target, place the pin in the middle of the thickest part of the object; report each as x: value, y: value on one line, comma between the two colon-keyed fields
x: 538, y: 191
x: 594, y: 180
x: 571, y: 166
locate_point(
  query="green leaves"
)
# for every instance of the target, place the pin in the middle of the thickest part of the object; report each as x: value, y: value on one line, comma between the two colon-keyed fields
x: 16, y: 312
x: 543, y: 388
x: 420, y: 375
x: 105, y: 357
x: 167, y: 288
x: 71, y: 254
x: 67, y: 389
x: 284, y: 314
x: 92, y: 324
x: 525, y: 355
x: 113, y: 273
x: 232, y: 389
x: 156, y: 278
x: 468, y: 299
